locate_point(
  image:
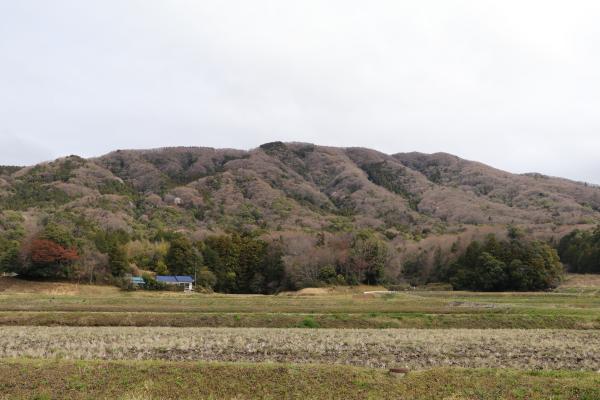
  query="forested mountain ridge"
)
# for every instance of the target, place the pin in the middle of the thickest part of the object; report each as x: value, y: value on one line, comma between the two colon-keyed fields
x: 313, y: 200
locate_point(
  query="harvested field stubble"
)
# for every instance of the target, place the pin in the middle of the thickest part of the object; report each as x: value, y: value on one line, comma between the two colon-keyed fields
x: 412, y: 348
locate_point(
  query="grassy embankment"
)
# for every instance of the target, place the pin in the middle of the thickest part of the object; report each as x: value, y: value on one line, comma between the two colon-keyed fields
x: 45, y: 379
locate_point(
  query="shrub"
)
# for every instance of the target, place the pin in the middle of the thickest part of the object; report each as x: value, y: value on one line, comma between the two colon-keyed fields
x: 153, y: 284
x: 126, y: 284
x: 340, y: 280
x: 205, y: 278
x: 161, y: 268
x: 327, y: 274
x: 309, y: 322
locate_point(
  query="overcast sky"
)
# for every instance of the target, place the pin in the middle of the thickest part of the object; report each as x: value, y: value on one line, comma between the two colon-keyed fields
x: 515, y: 84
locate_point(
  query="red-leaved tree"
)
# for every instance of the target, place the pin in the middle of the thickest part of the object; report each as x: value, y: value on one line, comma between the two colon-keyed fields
x: 48, y: 252
x: 49, y: 259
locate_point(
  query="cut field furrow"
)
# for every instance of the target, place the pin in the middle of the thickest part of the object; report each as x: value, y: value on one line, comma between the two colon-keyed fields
x: 412, y: 348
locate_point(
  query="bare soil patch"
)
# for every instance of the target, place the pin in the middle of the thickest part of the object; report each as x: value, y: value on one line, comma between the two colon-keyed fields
x: 334, y: 290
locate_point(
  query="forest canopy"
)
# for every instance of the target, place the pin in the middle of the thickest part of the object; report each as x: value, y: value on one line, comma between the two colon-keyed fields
x: 514, y: 264
x: 580, y: 251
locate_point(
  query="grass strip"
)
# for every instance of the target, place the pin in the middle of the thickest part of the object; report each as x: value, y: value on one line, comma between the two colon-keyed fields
x: 49, y: 379
x: 303, y: 320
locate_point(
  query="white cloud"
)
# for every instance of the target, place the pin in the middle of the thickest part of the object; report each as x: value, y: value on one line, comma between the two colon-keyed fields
x: 513, y: 83
x: 20, y: 151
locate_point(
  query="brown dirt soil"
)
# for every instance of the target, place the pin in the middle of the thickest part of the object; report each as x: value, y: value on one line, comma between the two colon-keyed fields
x: 313, y: 291
x: 334, y: 290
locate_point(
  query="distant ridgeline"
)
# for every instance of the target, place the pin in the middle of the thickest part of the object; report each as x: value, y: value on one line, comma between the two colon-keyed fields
x: 8, y: 169
x: 291, y: 215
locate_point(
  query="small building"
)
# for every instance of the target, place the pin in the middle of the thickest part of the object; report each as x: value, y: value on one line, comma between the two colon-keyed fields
x: 181, y: 280
x: 138, y: 280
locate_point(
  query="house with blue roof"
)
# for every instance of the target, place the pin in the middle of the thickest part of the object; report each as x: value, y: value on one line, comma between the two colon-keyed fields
x: 181, y: 280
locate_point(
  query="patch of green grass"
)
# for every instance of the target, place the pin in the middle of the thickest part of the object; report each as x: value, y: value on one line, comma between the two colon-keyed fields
x: 309, y: 322
x: 524, y: 320
x: 27, y: 379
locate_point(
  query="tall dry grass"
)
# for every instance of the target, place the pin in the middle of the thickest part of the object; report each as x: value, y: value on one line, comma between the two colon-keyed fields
x: 415, y: 349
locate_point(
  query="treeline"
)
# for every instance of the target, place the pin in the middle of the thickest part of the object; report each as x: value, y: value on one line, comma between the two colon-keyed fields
x: 11, y: 234
x: 69, y: 247
x: 227, y: 263
x: 580, y: 251
x: 514, y: 264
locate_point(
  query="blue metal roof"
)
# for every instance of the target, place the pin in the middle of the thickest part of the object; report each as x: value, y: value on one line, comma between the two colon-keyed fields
x: 166, y: 278
x: 175, y: 278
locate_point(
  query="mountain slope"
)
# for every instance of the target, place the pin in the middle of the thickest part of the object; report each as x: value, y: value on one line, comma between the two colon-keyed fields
x: 533, y: 198
x: 297, y: 186
x: 422, y: 205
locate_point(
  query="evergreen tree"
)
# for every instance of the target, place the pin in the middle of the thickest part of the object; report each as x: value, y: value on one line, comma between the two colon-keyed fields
x: 580, y: 251
x: 183, y: 258
x: 9, y: 255
x: 117, y: 260
x: 369, y: 256
x: 514, y: 264
x: 244, y: 264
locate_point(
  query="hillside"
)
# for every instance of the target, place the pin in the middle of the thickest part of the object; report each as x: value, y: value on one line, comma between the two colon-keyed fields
x: 300, y: 194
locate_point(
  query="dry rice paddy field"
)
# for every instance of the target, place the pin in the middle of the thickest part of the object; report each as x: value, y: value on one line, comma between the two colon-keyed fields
x: 80, y: 342
x: 415, y: 349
